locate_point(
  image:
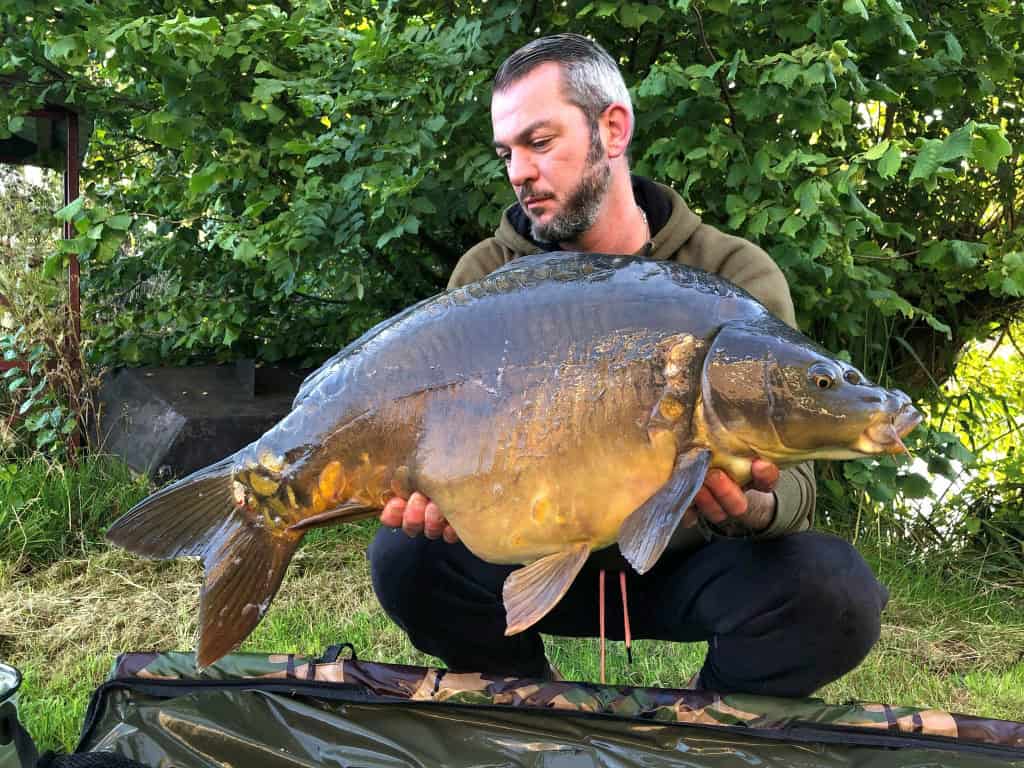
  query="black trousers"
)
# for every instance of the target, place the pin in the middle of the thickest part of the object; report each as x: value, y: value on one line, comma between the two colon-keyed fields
x: 782, y: 617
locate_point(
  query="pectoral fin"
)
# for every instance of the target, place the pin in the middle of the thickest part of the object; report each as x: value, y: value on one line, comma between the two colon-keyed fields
x: 646, y: 532
x: 531, y: 592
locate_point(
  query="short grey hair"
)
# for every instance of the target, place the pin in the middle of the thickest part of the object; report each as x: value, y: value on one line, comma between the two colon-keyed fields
x: 592, y: 79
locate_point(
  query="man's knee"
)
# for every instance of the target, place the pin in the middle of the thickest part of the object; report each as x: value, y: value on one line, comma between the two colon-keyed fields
x: 838, y: 599
x: 397, y: 565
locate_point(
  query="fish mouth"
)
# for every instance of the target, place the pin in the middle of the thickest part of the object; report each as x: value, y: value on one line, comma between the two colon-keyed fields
x: 885, y: 434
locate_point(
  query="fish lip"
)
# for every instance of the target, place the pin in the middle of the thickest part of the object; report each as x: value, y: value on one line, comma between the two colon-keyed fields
x: 886, y: 432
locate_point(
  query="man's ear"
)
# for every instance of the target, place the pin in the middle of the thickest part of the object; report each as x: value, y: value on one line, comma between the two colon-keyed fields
x: 617, y: 126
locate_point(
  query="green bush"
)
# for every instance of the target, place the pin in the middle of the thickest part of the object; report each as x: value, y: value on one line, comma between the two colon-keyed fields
x: 37, y: 411
x: 268, y: 180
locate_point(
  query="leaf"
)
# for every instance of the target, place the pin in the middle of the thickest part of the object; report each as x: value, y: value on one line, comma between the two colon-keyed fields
x: 989, y: 146
x: 965, y: 254
x: 878, y: 150
x: 69, y: 211
x: 206, y: 178
x: 881, y: 491
x: 810, y: 197
x: 938, y: 325
x: 245, y: 251
x: 265, y: 89
x: 631, y: 17
x: 252, y: 112
x: 957, y: 144
x: 939, y: 465
x: 792, y: 225
x: 53, y: 265
x: 652, y: 12
x: 758, y: 224
x: 122, y: 221
x: 890, y: 302
x: 786, y: 74
x: 63, y: 48
x: 927, y: 162
x: 108, y: 246
x: 914, y: 486
x: 734, y: 204
x: 423, y: 205
x: 855, y: 8
x: 890, y: 162
x: 956, y: 53
x: 274, y: 113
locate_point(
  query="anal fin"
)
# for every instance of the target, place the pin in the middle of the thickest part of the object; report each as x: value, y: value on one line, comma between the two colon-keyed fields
x: 531, y: 592
x: 647, y: 531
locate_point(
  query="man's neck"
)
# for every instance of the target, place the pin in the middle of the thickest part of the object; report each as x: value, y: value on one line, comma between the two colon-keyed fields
x: 621, y: 226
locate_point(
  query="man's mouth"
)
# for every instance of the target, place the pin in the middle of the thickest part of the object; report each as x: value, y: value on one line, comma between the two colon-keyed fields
x: 531, y: 200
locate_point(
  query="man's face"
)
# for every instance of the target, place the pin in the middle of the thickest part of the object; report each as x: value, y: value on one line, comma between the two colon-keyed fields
x: 555, y: 160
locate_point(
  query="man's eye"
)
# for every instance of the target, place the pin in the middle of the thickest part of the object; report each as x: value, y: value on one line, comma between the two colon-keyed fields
x: 541, y: 143
x: 505, y: 157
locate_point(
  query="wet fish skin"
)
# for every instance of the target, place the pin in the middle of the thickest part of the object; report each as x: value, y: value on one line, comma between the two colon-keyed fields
x: 562, y: 404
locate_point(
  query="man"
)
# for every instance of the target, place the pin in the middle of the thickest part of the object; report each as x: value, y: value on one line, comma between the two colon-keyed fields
x: 784, y: 610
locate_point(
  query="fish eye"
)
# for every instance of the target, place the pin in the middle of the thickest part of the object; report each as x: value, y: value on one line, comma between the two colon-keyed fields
x: 822, y: 377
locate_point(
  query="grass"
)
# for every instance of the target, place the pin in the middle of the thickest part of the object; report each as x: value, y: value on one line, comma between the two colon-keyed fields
x: 50, y: 510
x: 950, y: 640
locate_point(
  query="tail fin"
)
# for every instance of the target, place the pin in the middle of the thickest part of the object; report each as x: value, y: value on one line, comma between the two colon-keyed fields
x: 244, y: 560
x: 180, y: 519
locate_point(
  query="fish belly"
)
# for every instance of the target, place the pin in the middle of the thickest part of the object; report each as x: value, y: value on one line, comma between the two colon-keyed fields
x: 542, y: 461
x: 545, y: 508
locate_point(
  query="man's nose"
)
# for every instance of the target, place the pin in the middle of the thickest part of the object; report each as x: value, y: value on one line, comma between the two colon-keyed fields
x: 521, y: 168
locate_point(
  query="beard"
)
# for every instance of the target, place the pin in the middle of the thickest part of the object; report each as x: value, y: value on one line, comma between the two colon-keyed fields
x: 584, y: 202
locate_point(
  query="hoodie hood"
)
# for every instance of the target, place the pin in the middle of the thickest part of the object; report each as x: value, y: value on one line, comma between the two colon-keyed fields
x: 672, y: 223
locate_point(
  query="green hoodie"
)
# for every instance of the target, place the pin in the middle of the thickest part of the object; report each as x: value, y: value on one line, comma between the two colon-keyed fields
x: 680, y: 235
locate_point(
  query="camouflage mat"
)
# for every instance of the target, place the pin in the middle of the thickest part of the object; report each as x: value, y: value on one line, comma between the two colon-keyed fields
x: 662, y: 705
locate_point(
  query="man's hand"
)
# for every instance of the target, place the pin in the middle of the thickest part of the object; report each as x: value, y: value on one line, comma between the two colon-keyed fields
x: 417, y: 515
x: 722, y: 502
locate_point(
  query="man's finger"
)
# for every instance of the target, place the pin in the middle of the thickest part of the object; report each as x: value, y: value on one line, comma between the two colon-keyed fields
x: 764, y: 475
x: 708, y: 506
x: 450, y: 535
x: 728, y: 495
x: 393, y: 511
x: 415, y: 510
x: 433, y: 521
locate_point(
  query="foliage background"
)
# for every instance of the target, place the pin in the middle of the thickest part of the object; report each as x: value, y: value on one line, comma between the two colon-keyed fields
x: 268, y: 180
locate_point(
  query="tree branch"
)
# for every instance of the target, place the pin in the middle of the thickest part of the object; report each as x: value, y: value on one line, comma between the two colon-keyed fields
x: 891, y: 111
x: 722, y: 84
x: 319, y: 299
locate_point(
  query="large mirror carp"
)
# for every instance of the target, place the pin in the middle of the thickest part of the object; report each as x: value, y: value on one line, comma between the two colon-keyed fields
x: 559, y: 405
